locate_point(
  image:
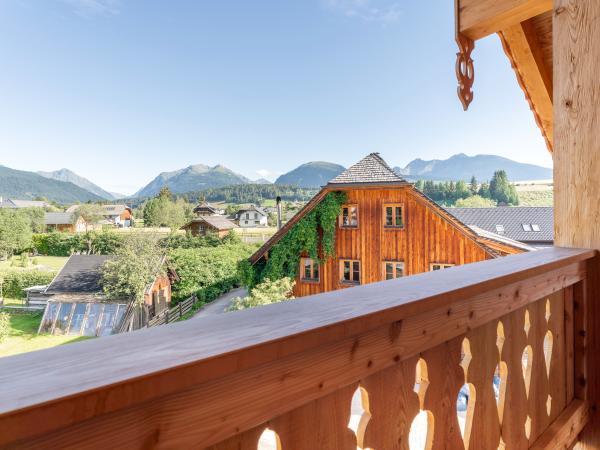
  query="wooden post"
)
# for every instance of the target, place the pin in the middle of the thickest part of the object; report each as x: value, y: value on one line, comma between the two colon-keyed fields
x: 576, y: 44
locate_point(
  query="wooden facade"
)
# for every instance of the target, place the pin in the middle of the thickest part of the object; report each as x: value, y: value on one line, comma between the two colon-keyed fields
x: 426, y: 237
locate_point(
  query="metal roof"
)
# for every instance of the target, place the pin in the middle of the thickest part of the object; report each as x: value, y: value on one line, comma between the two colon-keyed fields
x: 218, y: 222
x: 371, y: 169
x: 59, y: 218
x: 513, y: 222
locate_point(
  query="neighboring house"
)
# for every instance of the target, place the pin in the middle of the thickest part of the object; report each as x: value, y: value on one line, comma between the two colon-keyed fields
x: 13, y: 203
x: 65, y: 222
x: 532, y: 225
x: 118, y: 215
x: 203, y: 225
x: 77, y: 305
x: 206, y: 209
x: 387, y: 229
x: 251, y: 217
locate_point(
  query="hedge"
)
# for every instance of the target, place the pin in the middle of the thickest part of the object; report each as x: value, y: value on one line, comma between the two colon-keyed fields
x: 207, y: 272
x: 16, y: 280
x: 65, y: 244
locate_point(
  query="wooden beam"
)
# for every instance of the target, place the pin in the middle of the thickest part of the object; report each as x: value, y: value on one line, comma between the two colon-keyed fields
x: 576, y: 45
x: 533, y: 74
x: 480, y: 18
x: 564, y: 430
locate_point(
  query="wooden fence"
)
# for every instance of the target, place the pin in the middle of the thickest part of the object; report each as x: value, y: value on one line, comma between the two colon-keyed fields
x: 175, y: 313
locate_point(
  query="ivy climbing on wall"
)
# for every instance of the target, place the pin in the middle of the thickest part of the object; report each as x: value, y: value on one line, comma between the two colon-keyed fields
x: 314, y: 232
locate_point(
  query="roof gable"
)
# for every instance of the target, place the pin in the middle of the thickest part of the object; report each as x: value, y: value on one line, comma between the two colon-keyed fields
x: 370, y: 169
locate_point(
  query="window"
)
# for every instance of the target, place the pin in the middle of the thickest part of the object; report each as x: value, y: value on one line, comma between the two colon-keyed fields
x: 439, y: 266
x: 247, y: 215
x: 500, y: 229
x: 256, y: 215
x: 393, y: 215
x: 535, y: 227
x: 349, y: 217
x: 526, y: 226
x: 256, y: 222
x: 309, y: 269
x: 350, y: 271
x: 393, y: 269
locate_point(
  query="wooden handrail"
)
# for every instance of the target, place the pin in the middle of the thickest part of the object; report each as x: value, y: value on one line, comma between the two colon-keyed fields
x: 170, y: 381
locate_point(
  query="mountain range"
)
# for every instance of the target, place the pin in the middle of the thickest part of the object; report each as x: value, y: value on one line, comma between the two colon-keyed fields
x: 463, y: 167
x: 24, y: 185
x: 65, y: 186
x: 72, y: 177
x: 312, y: 174
x: 192, y: 178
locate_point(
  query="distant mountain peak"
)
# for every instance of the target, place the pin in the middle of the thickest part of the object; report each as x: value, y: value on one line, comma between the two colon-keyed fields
x: 312, y: 174
x: 69, y: 176
x: 463, y: 167
x: 192, y: 178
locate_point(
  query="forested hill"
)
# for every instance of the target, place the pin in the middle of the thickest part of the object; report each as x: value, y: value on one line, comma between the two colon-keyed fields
x: 311, y: 175
x: 463, y: 167
x: 24, y: 185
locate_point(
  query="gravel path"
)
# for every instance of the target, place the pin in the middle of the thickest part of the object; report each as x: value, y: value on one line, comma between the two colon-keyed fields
x: 220, y: 304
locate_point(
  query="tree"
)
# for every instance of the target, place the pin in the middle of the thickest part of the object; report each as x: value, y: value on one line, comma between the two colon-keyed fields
x: 138, y: 261
x: 484, y: 190
x: 473, y: 185
x: 265, y: 293
x: 91, y: 213
x: 15, y: 232
x: 502, y: 190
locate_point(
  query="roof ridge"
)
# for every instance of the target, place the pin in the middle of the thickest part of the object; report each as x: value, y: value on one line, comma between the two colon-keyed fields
x: 370, y: 169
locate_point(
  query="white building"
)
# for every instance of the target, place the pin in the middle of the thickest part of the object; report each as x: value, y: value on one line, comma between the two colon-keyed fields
x: 251, y: 217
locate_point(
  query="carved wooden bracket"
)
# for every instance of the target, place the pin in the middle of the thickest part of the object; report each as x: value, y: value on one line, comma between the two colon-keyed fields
x: 464, y: 63
x: 464, y: 70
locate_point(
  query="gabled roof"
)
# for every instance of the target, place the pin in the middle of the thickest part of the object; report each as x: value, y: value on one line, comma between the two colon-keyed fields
x: 253, y: 208
x: 500, y: 239
x: 511, y: 220
x: 80, y: 275
x: 107, y: 210
x: 59, y: 218
x: 206, y: 206
x: 372, y: 169
x: 221, y: 223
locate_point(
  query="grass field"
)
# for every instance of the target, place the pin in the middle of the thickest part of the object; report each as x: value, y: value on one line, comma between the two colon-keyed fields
x: 536, y: 198
x: 42, y: 263
x: 24, y: 338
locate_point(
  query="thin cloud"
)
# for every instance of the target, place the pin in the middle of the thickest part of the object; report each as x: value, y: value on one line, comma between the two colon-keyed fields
x: 266, y: 173
x: 383, y: 11
x: 90, y: 8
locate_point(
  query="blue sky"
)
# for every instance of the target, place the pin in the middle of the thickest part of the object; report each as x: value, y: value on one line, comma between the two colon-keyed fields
x: 120, y: 90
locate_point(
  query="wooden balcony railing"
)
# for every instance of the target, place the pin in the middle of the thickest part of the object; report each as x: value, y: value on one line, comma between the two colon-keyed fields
x: 488, y: 355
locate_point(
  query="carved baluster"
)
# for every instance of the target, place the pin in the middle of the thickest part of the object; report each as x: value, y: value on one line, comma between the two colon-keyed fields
x: 393, y: 404
x: 446, y: 377
x: 538, y: 390
x: 515, y: 398
x: 557, y: 380
x: 322, y: 423
x: 485, y: 429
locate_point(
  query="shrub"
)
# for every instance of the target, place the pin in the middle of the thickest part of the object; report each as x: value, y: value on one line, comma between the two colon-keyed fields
x: 13, y: 282
x: 65, y: 244
x: 208, y: 271
x: 265, y: 293
x: 4, y: 326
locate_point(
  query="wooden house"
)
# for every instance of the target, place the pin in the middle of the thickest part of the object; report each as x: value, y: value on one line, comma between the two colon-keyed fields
x: 206, y: 209
x: 387, y: 229
x: 117, y: 215
x: 203, y: 225
x: 65, y: 222
x: 516, y: 340
x: 77, y: 305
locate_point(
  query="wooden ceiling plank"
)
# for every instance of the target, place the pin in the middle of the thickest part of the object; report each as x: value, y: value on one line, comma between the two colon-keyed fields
x: 522, y: 48
x: 480, y: 18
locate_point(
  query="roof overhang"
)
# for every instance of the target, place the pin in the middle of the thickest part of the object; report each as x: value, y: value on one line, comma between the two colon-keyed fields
x: 525, y: 29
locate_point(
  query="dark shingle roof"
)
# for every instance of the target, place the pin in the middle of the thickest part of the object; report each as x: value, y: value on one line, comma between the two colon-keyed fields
x: 511, y: 218
x: 81, y: 274
x: 370, y: 169
x: 219, y: 222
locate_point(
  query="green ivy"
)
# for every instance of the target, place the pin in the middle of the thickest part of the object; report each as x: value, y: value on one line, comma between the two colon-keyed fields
x: 315, y: 230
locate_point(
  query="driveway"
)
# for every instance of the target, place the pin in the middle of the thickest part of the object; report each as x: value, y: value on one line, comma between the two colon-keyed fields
x: 220, y: 304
